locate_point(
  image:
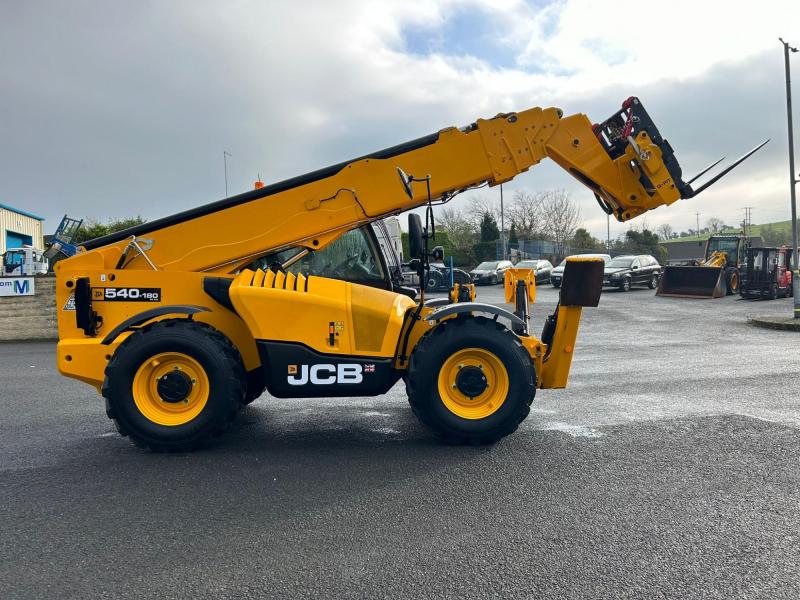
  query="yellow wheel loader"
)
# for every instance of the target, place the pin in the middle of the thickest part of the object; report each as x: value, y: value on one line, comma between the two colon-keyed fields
x: 717, y: 275
x: 180, y: 322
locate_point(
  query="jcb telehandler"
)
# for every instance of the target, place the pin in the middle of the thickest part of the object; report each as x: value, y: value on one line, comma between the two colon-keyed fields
x: 181, y: 321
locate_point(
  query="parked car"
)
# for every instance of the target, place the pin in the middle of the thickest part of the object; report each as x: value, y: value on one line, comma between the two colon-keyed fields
x: 490, y: 271
x: 623, y: 272
x: 438, y: 277
x: 541, y: 267
x: 557, y: 274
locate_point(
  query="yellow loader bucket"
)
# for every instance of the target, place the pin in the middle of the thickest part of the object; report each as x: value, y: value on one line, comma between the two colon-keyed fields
x: 692, y: 282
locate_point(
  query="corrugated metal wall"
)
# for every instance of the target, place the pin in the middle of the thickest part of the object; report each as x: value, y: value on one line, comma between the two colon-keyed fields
x: 11, y: 221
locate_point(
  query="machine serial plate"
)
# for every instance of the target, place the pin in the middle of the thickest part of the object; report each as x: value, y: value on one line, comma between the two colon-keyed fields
x: 126, y: 294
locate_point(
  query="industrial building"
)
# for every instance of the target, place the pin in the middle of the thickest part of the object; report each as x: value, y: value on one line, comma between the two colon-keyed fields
x: 19, y: 228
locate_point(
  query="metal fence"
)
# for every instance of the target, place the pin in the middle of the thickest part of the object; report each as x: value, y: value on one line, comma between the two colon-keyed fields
x: 544, y: 249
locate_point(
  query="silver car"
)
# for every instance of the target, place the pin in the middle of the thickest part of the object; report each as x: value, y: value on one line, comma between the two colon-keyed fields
x: 557, y: 274
x: 542, y: 269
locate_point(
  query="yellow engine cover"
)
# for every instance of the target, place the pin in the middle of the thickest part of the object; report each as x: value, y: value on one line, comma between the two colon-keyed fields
x: 327, y: 315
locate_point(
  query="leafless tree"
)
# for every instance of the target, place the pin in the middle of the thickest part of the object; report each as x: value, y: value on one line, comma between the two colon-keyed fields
x: 665, y: 231
x: 458, y: 226
x: 563, y: 217
x: 526, y: 211
x: 715, y: 225
x: 479, y: 206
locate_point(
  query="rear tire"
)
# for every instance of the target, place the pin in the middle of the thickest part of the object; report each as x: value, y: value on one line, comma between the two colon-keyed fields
x: 556, y: 284
x: 653, y: 284
x: 256, y: 385
x: 440, y: 398
x: 773, y: 291
x: 205, y: 366
x: 732, y: 282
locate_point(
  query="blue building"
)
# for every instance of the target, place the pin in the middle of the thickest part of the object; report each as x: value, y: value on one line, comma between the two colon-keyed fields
x: 20, y: 228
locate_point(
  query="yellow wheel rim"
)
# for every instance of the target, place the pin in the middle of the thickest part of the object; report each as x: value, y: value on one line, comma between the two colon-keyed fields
x: 452, y: 388
x: 165, y: 406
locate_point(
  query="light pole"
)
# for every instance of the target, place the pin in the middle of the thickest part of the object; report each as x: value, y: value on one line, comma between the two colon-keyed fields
x: 792, y: 180
x: 502, y: 223
x: 225, y: 155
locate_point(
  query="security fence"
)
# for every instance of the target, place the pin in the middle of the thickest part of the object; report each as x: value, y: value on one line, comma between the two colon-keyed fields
x: 545, y: 249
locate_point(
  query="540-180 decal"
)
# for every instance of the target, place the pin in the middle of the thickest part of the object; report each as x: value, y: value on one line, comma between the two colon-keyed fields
x: 126, y: 294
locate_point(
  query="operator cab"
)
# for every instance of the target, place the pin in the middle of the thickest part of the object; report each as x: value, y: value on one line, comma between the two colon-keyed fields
x: 355, y: 257
x: 12, y: 261
x: 733, y: 247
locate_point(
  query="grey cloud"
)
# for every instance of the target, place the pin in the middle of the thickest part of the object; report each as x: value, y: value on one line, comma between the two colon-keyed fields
x: 116, y: 109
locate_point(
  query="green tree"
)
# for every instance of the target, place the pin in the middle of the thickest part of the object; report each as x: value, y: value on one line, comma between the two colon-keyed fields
x: 644, y: 242
x: 512, y: 234
x: 489, y: 230
x: 92, y: 228
x: 773, y: 236
x: 584, y: 240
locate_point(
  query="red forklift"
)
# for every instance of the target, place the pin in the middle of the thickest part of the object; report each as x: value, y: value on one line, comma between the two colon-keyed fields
x: 767, y: 273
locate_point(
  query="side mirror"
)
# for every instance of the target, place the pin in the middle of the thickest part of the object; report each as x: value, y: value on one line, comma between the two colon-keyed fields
x: 438, y: 254
x: 405, y: 179
x: 415, y: 240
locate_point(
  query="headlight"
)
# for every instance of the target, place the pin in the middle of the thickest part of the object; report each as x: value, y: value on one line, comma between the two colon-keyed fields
x: 615, y: 276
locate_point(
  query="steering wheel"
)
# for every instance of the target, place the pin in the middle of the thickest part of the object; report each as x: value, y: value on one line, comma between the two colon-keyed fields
x: 347, y: 264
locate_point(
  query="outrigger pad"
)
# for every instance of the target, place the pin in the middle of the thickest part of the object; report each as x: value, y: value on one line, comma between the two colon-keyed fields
x: 583, y: 281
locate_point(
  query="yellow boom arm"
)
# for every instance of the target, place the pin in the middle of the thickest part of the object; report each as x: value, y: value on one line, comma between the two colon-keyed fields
x: 624, y: 161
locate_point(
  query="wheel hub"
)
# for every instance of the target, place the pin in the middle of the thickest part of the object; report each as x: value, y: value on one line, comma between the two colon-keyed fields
x: 471, y: 381
x: 174, y: 387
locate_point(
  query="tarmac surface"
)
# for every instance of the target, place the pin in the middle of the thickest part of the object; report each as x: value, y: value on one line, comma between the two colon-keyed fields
x: 669, y: 468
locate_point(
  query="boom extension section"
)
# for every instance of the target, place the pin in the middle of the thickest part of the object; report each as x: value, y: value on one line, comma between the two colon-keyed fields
x: 624, y: 160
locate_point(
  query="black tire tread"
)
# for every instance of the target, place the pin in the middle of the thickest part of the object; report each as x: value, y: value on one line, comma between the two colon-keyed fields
x: 418, y: 357
x: 234, y: 366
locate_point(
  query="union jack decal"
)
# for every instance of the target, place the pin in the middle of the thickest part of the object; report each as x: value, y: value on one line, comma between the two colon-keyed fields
x: 370, y: 368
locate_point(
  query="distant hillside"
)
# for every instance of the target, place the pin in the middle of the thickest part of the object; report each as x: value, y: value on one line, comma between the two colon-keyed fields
x: 774, y: 234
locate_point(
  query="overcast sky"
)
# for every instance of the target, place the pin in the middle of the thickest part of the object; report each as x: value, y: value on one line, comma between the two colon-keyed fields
x: 113, y: 109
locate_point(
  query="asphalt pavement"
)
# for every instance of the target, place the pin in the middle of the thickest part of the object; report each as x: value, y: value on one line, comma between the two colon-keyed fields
x: 669, y: 468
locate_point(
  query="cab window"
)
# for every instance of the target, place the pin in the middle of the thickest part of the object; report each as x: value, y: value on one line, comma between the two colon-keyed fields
x: 14, y: 258
x: 352, y: 257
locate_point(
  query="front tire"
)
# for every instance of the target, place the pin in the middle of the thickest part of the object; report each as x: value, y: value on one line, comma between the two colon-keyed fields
x: 471, y: 380
x: 434, y: 281
x: 173, y: 385
x: 625, y: 286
